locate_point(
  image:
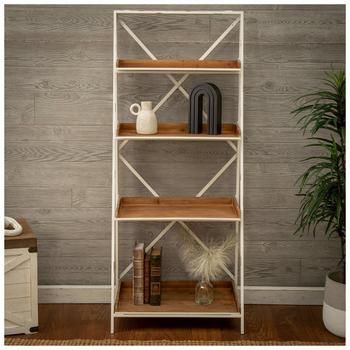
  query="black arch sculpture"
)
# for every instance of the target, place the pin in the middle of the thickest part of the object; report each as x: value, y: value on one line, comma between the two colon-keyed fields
x: 195, y: 120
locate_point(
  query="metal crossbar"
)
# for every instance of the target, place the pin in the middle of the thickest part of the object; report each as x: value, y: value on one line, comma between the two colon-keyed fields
x: 178, y: 85
x: 216, y: 176
x: 138, y: 176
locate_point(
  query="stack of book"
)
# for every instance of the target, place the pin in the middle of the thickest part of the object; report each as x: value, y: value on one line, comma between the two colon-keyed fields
x: 147, y: 275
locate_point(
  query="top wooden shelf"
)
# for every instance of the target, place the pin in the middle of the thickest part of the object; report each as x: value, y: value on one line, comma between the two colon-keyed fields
x: 204, y: 66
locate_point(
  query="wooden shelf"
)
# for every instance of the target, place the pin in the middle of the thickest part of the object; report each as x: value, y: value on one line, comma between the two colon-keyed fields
x: 178, y: 131
x: 177, y: 208
x: 177, y: 299
x: 179, y: 65
x: 123, y: 63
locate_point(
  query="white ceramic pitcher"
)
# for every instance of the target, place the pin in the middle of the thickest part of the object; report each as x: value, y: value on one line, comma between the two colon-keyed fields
x: 146, y: 122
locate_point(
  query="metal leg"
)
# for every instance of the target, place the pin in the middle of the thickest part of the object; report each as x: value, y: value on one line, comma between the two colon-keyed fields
x: 115, y: 191
x: 112, y: 276
x: 241, y: 198
x: 236, y: 251
x: 242, y: 277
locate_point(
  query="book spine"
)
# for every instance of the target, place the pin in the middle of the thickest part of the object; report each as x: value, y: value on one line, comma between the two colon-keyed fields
x: 138, y: 279
x: 155, y: 289
x: 147, y: 277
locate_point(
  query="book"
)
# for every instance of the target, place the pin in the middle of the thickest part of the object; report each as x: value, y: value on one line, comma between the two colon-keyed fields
x: 155, y: 288
x: 138, y: 278
x: 147, y: 276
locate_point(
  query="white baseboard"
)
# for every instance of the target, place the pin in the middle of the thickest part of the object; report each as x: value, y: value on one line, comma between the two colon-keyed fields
x: 253, y: 294
x: 284, y: 295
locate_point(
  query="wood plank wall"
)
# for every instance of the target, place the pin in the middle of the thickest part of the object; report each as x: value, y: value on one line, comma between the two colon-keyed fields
x: 58, y: 134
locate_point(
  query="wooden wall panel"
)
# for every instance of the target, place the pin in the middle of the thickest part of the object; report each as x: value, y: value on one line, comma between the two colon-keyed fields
x: 72, y: 151
x: 272, y: 111
x: 72, y: 230
x: 293, y: 249
x: 297, y: 26
x: 19, y: 111
x: 59, y: 133
x: 73, y: 108
x: 36, y: 197
x: 90, y: 197
x: 58, y: 117
x: 276, y: 80
x: 273, y: 135
x: 58, y: 23
x: 35, y: 53
x: 291, y: 54
x: 313, y: 270
x: 60, y: 79
x: 267, y: 268
x: 58, y: 174
x: 60, y: 216
x: 273, y: 175
x: 63, y: 248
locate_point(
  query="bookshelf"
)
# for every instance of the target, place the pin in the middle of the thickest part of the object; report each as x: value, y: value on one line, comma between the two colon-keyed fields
x: 178, y: 296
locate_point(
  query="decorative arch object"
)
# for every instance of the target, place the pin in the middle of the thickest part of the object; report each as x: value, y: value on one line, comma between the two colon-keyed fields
x: 195, y: 122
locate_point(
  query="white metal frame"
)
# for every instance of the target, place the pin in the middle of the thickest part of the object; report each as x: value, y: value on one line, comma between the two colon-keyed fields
x: 120, y: 142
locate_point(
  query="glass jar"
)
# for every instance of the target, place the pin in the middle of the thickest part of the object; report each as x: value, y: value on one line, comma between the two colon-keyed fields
x: 204, y: 294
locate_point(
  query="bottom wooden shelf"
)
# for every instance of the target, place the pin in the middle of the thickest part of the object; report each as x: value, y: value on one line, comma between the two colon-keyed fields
x: 177, y: 300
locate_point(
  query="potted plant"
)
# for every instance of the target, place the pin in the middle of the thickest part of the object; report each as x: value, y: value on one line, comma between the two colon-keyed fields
x: 322, y: 186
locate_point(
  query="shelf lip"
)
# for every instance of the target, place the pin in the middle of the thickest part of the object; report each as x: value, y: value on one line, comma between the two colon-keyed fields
x: 175, y: 70
x: 179, y: 12
x: 177, y: 131
x: 179, y: 218
x: 178, y: 138
x: 223, y: 209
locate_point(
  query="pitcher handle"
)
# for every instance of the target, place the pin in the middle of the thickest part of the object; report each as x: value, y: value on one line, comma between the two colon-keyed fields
x: 132, y: 109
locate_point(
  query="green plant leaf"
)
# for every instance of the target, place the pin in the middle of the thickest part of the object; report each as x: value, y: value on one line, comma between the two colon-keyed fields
x: 322, y: 185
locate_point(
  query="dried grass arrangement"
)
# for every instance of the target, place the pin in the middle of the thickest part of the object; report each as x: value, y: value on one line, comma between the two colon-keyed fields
x: 204, y: 264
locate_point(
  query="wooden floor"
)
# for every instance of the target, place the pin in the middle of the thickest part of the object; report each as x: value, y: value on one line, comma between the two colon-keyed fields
x: 263, y: 322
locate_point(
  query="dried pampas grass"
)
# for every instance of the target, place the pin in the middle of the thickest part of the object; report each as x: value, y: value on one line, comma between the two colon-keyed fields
x: 206, y: 264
